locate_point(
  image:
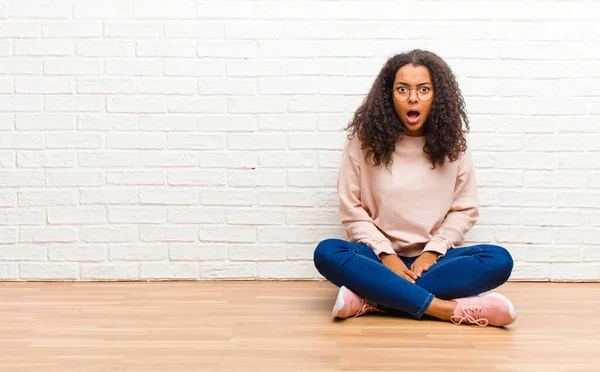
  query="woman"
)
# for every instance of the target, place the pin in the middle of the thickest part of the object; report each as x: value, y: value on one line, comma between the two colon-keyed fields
x: 408, y: 196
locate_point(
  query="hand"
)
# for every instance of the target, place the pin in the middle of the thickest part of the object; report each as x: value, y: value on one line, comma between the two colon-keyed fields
x: 395, y: 264
x: 424, y: 262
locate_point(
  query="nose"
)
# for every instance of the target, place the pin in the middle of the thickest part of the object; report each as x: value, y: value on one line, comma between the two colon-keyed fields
x: 412, y: 95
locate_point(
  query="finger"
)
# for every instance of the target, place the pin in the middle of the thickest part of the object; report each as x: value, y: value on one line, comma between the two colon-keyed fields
x: 407, y: 277
x: 419, y: 271
x: 412, y: 274
x: 426, y: 267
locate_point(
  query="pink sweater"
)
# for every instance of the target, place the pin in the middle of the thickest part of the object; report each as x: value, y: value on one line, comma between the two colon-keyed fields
x: 412, y: 209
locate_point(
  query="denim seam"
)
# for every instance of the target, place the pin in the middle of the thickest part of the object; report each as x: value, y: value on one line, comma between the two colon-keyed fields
x: 424, y: 307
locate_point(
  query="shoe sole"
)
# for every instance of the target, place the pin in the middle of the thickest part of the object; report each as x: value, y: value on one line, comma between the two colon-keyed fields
x: 512, y: 310
x: 339, y: 302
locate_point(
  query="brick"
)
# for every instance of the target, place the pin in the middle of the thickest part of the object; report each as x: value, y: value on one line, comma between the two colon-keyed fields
x: 164, y: 10
x: 554, y: 179
x: 228, y: 197
x: 15, y: 141
x: 321, y: 141
x: 262, y: 141
x: 256, y: 105
x: 70, y: 67
x: 166, y: 86
x: 197, y: 251
x: 196, y: 177
x: 39, y: 10
x: 43, y: 48
x: 8, y: 198
x: 214, y: 105
x: 229, y: 86
x: 104, y: 195
x: 165, y: 49
x: 256, y: 178
x: 136, y: 215
x: 187, y: 67
x: 287, y: 160
x: 577, y: 199
x: 169, y: 196
x: 194, y: 30
x: 78, y: 103
x: 106, y: 86
x: 46, y: 122
x: 8, y: 271
x: 195, y: 141
x: 21, y: 103
x: 256, y: 252
x: 255, y: 68
x: 76, y: 253
x: 45, y: 85
x: 302, y: 198
x: 239, y: 234
x: 169, y: 270
x: 255, y: 216
x: 523, y: 235
x: 19, y: 29
x: 71, y: 29
x: 134, y: 30
x: 47, y: 159
x: 291, y: 234
x: 8, y: 235
x: 47, y: 197
x: 22, y: 216
x: 575, y: 272
x: 228, y: 270
x: 286, y: 270
x: 288, y: 122
x: 135, y: 178
x: 110, y: 271
x: 312, y: 216
x: 312, y: 178
x: 141, y: 141
x: 109, y: 10
x: 136, y: 105
x: 525, y: 199
x: 135, y: 67
x: 21, y: 178
x: 196, y: 215
x: 165, y: 233
x: 229, y: 159
x: 133, y: 252
x: 167, y: 123
x: 47, y: 234
x: 102, y: 234
x: 48, y: 271
x: 77, y: 215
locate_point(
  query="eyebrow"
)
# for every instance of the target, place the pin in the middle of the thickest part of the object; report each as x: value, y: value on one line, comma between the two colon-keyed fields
x: 405, y: 83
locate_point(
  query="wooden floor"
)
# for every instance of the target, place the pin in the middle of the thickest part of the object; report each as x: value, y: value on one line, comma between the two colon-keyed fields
x: 280, y: 326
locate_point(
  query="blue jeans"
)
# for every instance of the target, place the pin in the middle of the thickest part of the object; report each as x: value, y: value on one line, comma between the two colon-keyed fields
x: 461, y: 272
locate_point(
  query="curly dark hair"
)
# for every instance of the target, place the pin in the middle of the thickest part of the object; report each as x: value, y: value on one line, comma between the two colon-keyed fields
x: 378, y: 126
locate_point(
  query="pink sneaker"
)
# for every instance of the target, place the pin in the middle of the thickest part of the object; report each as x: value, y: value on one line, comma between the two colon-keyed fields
x: 350, y: 304
x: 493, y: 309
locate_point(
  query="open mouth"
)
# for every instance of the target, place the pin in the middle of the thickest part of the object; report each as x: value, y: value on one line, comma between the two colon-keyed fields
x: 413, y: 116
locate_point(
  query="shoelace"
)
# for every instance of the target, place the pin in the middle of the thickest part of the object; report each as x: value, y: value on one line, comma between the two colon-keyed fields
x: 472, y: 315
x: 367, y: 308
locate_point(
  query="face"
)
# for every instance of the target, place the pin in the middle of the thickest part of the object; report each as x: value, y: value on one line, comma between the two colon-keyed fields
x: 410, y: 83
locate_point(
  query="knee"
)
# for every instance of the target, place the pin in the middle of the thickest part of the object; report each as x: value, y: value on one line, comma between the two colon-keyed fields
x: 502, y: 258
x: 324, y: 250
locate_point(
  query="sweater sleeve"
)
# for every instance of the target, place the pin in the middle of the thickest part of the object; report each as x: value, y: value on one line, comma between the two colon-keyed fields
x: 358, y: 223
x: 463, y: 213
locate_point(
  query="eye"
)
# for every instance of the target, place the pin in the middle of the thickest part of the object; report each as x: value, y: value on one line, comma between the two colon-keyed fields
x: 424, y: 89
x: 401, y: 89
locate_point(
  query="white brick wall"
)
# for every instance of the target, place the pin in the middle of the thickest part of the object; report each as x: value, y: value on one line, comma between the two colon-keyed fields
x: 152, y: 140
